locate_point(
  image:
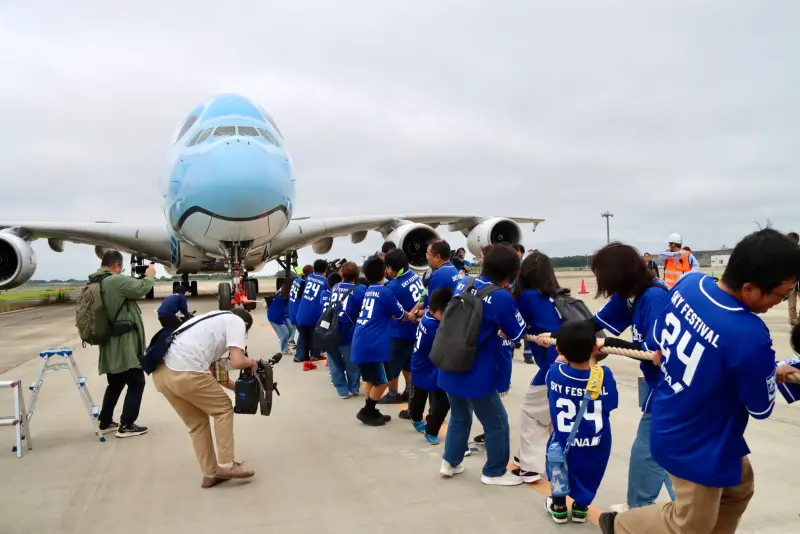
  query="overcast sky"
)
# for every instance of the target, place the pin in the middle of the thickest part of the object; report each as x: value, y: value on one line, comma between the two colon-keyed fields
x: 682, y: 117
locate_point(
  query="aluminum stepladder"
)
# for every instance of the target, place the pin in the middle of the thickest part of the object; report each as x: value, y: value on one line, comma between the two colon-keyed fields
x: 19, y: 419
x: 67, y: 363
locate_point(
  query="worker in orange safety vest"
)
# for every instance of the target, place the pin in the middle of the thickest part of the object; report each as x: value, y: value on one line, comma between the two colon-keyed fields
x: 677, y: 262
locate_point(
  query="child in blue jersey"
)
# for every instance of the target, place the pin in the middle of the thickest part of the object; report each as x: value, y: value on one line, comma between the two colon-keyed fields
x: 407, y: 287
x: 424, y: 373
x: 534, y: 290
x: 276, y: 315
x: 345, y: 375
x: 295, y: 295
x: 371, y: 338
x: 478, y: 390
x: 309, y: 312
x: 718, y: 370
x: 636, y: 300
x: 590, y: 450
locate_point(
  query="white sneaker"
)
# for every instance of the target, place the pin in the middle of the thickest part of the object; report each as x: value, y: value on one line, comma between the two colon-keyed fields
x: 448, y: 470
x: 618, y: 508
x: 507, y: 479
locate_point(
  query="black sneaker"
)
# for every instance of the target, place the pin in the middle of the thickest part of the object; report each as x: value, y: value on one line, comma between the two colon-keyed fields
x: 405, y: 396
x: 404, y: 414
x: 606, y: 522
x: 579, y: 513
x: 371, y: 418
x: 131, y: 430
x: 386, y: 418
x: 391, y: 399
x: 109, y: 428
x: 528, y: 361
x: 559, y: 516
x: 480, y: 438
x: 529, y: 477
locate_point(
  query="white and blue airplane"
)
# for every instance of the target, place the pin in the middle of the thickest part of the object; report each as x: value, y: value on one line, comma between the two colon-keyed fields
x: 228, y: 200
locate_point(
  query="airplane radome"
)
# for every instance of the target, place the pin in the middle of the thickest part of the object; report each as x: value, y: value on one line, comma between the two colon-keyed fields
x: 228, y: 196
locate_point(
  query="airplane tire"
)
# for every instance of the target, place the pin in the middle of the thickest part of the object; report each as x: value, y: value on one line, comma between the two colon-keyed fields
x: 150, y: 294
x: 255, y: 281
x: 193, y: 288
x: 175, y: 286
x: 224, y: 296
x: 252, y: 294
x: 279, y: 282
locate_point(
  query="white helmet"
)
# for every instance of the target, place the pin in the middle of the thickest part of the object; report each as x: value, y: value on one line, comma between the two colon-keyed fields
x: 675, y: 238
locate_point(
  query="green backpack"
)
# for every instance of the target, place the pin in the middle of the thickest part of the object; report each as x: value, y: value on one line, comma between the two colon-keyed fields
x: 91, y: 317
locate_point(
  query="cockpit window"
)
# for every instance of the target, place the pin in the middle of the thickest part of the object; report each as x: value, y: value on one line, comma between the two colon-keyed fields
x: 185, y: 128
x: 201, y: 136
x: 224, y: 131
x: 268, y: 136
x: 247, y: 131
x: 272, y: 122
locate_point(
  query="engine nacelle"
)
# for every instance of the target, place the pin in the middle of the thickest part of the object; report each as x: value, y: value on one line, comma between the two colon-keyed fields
x: 17, y: 261
x: 323, y: 246
x: 493, y: 232
x: 413, y: 239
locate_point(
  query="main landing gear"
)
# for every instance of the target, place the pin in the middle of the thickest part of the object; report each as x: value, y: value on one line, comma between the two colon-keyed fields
x: 191, y: 287
x: 243, y: 290
x: 288, y: 264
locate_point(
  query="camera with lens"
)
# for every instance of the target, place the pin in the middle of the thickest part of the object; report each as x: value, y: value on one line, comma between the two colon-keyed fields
x: 253, y: 390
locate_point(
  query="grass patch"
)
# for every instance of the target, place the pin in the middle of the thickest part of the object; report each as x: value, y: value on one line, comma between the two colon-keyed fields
x: 49, y: 294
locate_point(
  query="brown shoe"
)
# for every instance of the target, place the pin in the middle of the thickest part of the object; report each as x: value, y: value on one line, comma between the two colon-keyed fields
x: 210, y: 482
x: 237, y: 471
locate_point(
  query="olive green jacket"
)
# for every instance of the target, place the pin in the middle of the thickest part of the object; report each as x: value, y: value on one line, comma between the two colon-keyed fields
x: 119, y: 294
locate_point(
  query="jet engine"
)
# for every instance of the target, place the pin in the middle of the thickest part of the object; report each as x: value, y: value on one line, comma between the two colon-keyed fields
x: 413, y: 239
x: 17, y: 261
x: 493, y: 232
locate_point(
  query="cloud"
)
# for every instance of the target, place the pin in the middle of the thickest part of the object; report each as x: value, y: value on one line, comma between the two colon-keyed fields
x: 676, y: 118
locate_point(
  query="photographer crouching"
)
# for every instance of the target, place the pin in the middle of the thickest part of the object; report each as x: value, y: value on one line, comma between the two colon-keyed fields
x: 186, y: 380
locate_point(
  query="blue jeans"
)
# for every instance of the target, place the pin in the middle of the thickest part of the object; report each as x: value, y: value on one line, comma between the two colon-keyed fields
x: 284, y: 331
x: 344, y: 373
x: 492, y: 415
x: 645, y: 476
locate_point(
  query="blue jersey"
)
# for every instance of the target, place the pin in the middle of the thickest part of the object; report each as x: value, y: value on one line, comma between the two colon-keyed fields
x: 423, y: 372
x: 325, y: 298
x: 407, y: 288
x: 491, y: 372
x: 790, y: 392
x: 719, y: 369
x: 310, y: 309
x: 173, y: 304
x: 588, y: 455
x: 540, y: 316
x: 294, y: 299
x: 445, y: 276
x: 277, y: 309
x: 350, y: 309
x: 371, y: 337
x: 640, y: 314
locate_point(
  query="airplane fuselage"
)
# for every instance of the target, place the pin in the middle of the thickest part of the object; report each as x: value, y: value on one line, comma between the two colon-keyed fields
x: 229, y: 180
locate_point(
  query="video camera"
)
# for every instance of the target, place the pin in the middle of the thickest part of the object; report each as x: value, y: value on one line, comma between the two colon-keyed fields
x: 254, y: 390
x: 335, y: 266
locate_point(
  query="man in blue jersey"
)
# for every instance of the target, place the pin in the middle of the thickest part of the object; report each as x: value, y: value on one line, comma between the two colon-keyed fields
x: 372, y: 339
x: 295, y: 295
x: 345, y: 374
x: 718, y: 369
x: 309, y: 312
x: 479, y: 389
x: 407, y: 287
x: 443, y: 274
x: 168, y: 311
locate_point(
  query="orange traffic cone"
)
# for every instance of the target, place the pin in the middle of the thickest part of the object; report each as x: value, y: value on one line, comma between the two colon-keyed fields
x: 583, y: 288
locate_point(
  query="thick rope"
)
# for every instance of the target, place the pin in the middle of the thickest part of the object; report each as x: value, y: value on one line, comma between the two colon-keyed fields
x: 640, y: 355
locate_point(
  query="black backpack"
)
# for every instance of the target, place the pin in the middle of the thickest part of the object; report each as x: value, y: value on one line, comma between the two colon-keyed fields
x: 571, y: 309
x: 455, y: 346
x: 326, y: 334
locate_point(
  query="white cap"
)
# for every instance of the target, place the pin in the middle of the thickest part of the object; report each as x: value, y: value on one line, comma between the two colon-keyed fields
x: 675, y: 238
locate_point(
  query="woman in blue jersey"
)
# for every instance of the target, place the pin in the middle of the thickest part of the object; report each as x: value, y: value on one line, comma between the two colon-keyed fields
x: 637, y: 300
x: 535, y: 288
x: 345, y: 375
x: 277, y: 315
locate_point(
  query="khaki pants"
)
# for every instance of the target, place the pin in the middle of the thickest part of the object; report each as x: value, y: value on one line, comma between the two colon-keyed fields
x: 196, y: 396
x: 534, y: 429
x: 696, y: 510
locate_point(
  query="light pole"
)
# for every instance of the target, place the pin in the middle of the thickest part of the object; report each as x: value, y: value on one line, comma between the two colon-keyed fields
x: 608, y: 216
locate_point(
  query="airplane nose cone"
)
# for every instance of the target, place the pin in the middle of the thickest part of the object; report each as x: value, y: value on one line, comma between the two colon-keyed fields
x: 236, y: 179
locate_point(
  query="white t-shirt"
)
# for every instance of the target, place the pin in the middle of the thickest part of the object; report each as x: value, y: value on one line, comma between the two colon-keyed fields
x: 196, y: 349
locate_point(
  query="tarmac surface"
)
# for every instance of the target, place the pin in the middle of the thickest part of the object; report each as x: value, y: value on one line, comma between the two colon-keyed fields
x: 317, y: 468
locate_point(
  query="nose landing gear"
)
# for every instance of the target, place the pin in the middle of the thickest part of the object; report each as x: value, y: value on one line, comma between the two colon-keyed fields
x: 243, y: 290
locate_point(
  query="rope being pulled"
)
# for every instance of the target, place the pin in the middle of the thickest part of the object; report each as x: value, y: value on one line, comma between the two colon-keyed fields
x: 640, y: 355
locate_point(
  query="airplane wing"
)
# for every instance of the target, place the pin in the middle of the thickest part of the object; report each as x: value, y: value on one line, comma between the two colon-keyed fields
x: 409, y: 232
x: 150, y: 241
